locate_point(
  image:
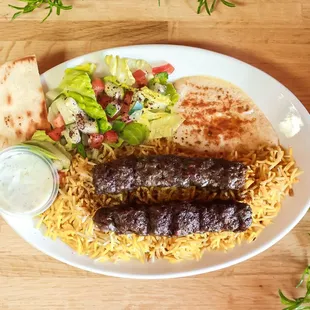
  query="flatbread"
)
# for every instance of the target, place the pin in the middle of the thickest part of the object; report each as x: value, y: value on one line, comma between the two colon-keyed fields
x: 219, y: 117
x: 22, y: 102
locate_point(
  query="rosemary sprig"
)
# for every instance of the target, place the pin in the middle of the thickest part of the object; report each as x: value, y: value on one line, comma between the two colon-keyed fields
x: 301, y: 303
x: 31, y: 5
x: 204, y: 3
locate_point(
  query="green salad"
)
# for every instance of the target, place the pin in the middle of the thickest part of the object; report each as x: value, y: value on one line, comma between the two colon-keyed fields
x: 131, y: 105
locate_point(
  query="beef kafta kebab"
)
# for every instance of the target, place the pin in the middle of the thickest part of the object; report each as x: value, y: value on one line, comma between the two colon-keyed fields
x: 175, y: 218
x: 127, y: 174
x: 178, y: 218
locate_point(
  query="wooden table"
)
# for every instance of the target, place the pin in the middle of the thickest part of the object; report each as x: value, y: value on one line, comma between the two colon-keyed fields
x: 272, y: 35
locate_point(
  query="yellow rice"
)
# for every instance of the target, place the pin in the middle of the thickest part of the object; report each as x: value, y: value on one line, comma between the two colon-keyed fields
x: 270, y: 177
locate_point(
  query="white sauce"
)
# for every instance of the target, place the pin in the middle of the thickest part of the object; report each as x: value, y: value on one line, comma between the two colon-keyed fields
x: 291, y: 125
x: 26, y: 183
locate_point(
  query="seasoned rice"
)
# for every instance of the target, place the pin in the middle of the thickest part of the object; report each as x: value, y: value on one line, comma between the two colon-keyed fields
x: 272, y: 172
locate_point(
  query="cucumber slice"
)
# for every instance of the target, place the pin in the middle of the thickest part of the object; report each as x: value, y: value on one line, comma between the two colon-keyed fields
x: 72, y: 134
x: 68, y: 109
x: 53, y: 110
x: 114, y: 91
x: 86, y: 125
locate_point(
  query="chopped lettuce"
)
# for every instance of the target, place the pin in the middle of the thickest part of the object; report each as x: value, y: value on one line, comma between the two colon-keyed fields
x: 88, y: 105
x: 122, y: 68
x: 156, y: 101
x: 165, y: 126
x: 40, y: 135
x: 172, y: 93
x: 162, y: 79
x: 104, y: 125
x: 138, y: 64
x: 134, y: 133
x: 161, y: 124
x: 41, y: 151
x: 76, y: 84
x: 144, y: 121
x: 59, y: 156
x: 87, y: 67
x: 77, y: 81
x: 118, y: 126
x: 150, y: 116
x: 113, y: 79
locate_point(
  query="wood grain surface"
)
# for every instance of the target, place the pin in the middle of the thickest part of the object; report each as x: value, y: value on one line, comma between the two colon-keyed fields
x: 273, y: 35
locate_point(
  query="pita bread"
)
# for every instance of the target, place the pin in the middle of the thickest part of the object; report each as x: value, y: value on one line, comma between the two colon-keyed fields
x: 22, y: 101
x: 219, y: 117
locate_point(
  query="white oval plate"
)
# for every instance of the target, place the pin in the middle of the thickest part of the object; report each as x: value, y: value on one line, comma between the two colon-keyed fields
x: 276, y: 101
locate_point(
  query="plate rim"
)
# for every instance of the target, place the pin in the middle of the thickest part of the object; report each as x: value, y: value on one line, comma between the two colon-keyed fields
x: 194, y: 272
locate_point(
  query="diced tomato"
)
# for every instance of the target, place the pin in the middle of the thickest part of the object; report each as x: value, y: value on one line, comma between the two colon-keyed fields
x: 95, y: 140
x: 105, y: 100
x: 62, y: 177
x: 55, y: 134
x: 164, y: 68
x: 98, y: 86
x: 111, y: 136
x: 58, y: 122
x: 128, y: 97
x: 124, y: 112
x: 140, y: 77
x: 124, y: 109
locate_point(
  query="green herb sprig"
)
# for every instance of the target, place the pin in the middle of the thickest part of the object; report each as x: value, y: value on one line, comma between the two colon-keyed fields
x: 301, y: 303
x: 31, y: 5
x: 210, y: 8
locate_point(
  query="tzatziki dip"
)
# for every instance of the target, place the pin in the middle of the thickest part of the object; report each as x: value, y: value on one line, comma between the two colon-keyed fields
x: 28, y: 182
